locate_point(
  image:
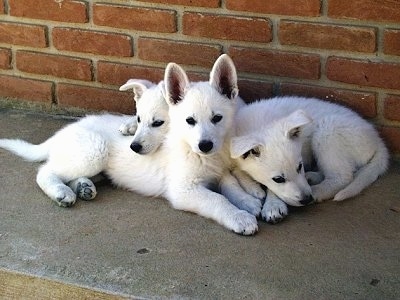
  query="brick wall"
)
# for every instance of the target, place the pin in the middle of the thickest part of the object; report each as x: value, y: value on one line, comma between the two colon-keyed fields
x: 76, y: 53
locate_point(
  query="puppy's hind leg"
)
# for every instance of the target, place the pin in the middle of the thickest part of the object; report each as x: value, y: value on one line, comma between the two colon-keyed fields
x: 54, y: 187
x: 84, y: 188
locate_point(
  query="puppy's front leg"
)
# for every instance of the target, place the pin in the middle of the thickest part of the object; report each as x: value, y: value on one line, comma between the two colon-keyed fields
x: 231, y: 189
x: 274, y: 209
x: 204, y: 202
x: 251, y: 186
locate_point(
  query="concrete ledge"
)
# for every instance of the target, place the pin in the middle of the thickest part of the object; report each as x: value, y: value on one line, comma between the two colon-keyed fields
x: 22, y: 286
x: 125, y: 244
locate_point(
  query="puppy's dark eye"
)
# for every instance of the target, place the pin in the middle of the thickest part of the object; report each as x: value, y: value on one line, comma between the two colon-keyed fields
x: 279, y: 179
x: 215, y: 119
x: 299, y: 168
x: 191, y: 121
x: 157, y: 123
x: 138, y: 119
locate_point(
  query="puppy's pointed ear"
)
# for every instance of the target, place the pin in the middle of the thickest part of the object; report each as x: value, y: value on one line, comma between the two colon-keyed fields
x: 137, y: 85
x: 240, y: 145
x: 295, y: 123
x: 223, y: 77
x: 176, y: 82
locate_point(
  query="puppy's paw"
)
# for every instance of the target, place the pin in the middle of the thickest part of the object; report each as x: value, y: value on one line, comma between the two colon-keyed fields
x: 128, y: 128
x: 244, y: 223
x: 84, y: 188
x: 274, y: 211
x: 318, y: 193
x: 64, y: 196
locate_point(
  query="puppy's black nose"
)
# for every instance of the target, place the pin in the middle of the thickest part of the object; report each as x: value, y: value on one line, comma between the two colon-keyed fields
x: 136, y: 147
x: 205, y: 146
x: 307, y: 200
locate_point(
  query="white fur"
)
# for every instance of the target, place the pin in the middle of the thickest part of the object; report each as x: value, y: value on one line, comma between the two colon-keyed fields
x: 187, y: 169
x: 93, y: 145
x: 201, y: 117
x: 282, y: 133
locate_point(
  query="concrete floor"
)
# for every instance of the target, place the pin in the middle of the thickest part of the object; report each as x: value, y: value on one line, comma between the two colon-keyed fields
x: 133, y: 246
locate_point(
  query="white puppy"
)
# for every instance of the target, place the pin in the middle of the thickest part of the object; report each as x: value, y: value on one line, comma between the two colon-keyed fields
x: 201, y: 118
x: 93, y: 145
x: 278, y: 139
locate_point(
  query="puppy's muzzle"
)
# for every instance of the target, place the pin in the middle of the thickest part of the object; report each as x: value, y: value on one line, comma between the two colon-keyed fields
x: 205, y: 146
x: 307, y: 200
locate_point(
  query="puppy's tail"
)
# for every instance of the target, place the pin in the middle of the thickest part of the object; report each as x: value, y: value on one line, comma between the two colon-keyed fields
x: 367, y: 174
x: 26, y: 150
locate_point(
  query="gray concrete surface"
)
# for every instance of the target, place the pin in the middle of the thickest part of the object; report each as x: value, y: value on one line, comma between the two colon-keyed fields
x: 136, y: 246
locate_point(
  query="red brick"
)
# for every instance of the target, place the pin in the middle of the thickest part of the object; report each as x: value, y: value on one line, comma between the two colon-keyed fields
x: 391, y: 42
x: 392, y: 108
x: 361, y: 72
x: 25, y: 89
x: 327, y: 36
x: 310, y: 8
x: 391, y: 135
x: 5, y: 58
x: 94, y: 98
x: 95, y: 42
x: 64, y: 11
x: 201, y: 3
x: 23, y: 34
x: 135, y: 18
x: 118, y: 74
x: 382, y: 10
x: 277, y: 63
x: 2, y: 8
x: 251, y: 90
x: 362, y: 102
x: 187, y: 53
x: 227, y: 27
x: 54, y: 65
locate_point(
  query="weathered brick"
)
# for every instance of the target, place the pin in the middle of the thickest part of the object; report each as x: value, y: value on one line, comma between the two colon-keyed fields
x: 5, y: 58
x: 277, y: 63
x: 95, y: 42
x: 23, y: 34
x: 200, y: 3
x: 391, y: 136
x: 327, y: 36
x: 251, y: 90
x: 392, y: 107
x: 283, y: 7
x: 382, y: 10
x: 2, y: 8
x: 25, y: 89
x: 362, y: 102
x: 61, y: 11
x: 54, y: 65
x: 391, y: 42
x: 361, y: 72
x: 94, y: 98
x: 135, y: 18
x: 227, y: 27
x: 187, y: 53
x: 118, y: 74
